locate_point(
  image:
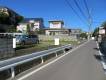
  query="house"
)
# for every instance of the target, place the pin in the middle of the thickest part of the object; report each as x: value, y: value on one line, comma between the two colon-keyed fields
x: 56, y: 24
x: 56, y: 27
x: 75, y: 33
x: 22, y: 27
x: 33, y: 23
x: 55, y: 31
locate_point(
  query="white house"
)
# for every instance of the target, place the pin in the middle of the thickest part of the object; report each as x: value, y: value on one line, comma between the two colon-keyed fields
x: 56, y: 24
x: 34, y: 24
x: 22, y: 27
x: 56, y: 28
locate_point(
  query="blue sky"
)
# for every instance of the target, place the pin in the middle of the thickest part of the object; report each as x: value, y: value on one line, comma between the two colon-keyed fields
x: 59, y: 10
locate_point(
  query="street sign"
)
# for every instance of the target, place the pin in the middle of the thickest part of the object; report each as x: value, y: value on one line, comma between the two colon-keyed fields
x: 14, y: 42
x: 56, y: 41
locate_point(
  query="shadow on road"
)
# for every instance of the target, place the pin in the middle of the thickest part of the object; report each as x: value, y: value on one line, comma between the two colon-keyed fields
x: 96, y: 49
x: 98, y: 57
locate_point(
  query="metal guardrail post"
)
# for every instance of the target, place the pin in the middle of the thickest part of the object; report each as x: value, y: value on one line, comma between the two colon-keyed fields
x: 12, y: 72
x: 64, y: 51
x: 56, y: 54
x: 42, y: 60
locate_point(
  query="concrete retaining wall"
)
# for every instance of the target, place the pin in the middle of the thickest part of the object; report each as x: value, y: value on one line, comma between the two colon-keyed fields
x: 61, y: 37
x: 6, y: 48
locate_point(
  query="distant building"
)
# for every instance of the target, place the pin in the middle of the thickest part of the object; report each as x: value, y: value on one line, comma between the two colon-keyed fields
x: 56, y: 28
x: 56, y: 24
x: 75, y: 33
x: 22, y: 27
x: 61, y: 31
x: 34, y: 24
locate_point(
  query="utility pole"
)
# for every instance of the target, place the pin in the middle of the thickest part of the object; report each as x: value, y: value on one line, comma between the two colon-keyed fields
x: 89, y: 25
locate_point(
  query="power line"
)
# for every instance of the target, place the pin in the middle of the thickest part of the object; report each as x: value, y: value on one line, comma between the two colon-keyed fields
x: 83, y: 14
x: 74, y: 10
x: 88, y: 11
x: 89, y: 18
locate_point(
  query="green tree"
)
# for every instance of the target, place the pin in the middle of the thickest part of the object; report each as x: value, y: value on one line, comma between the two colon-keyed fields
x: 95, y: 33
x: 40, y: 31
x: 28, y: 29
x: 83, y: 35
x: 104, y: 24
x: 10, y: 19
x: 4, y: 18
x: 18, y: 19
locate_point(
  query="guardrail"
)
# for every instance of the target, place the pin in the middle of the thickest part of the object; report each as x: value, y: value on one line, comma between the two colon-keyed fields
x: 13, y: 62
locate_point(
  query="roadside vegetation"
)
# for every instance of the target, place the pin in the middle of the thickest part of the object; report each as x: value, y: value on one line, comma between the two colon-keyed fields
x: 43, y: 45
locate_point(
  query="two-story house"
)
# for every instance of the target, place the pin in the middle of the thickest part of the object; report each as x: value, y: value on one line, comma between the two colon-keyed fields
x: 32, y: 24
x: 56, y: 27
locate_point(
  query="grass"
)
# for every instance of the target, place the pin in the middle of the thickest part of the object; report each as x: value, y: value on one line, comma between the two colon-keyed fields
x: 43, y: 45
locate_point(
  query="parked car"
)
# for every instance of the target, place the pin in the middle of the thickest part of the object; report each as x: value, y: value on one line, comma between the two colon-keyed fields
x: 27, y: 39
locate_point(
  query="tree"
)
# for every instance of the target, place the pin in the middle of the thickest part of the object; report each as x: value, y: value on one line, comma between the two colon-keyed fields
x: 104, y: 24
x: 28, y: 28
x: 11, y: 19
x: 18, y: 19
x: 4, y: 18
x: 95, y: 33
x: 40, y: 31
x: 83, y: 35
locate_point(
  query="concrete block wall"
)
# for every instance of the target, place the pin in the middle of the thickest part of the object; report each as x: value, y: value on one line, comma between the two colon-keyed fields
x: 61, y: 37
x: 6, y: 48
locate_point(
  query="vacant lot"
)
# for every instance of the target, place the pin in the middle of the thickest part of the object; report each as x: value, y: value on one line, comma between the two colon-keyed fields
x: 28, y: 49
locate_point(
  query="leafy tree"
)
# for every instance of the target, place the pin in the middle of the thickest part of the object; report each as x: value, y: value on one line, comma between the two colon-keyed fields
x: 18, y: 19
x: 28, y: 28
x: 11, y: 19
x: 104, y: 24
x: 95, y: 33
x: 83, y: 35
x: 41, y: 31
x: 4, y: 18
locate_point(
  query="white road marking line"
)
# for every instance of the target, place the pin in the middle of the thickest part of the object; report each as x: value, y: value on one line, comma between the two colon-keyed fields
x: 40, y: 68
x: 102, y: 62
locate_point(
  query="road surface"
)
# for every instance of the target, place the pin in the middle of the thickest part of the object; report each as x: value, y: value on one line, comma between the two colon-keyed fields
x: 81, y: 64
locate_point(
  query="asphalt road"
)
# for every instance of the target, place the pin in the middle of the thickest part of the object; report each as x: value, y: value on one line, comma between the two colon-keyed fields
x: 81, y: 64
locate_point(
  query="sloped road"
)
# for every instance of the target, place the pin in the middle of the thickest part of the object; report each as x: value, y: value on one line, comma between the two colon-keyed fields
x: 81, y: 64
